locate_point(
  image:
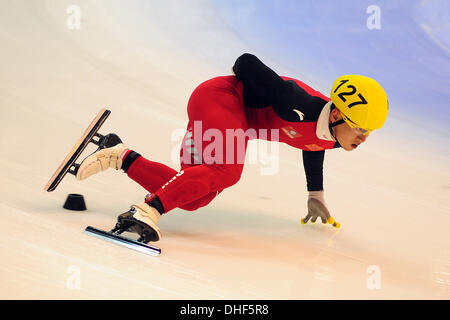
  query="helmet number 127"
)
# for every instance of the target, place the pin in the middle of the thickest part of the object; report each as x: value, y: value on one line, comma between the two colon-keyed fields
x: 349, y: 93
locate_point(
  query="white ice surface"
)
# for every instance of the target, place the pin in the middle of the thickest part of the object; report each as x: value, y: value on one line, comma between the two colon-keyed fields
x: 142, y: 59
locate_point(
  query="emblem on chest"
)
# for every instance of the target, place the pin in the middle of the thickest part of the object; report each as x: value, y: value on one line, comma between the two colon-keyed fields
x: 291, y: 132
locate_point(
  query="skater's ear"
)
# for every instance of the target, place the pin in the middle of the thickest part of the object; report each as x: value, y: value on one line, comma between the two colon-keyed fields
x: 335, y: 115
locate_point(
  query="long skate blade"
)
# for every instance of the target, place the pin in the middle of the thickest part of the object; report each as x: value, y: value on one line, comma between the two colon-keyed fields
x: 77, y: 149
x: 117, y: 239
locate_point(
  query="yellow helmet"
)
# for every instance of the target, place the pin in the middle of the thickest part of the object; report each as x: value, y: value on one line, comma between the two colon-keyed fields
x: 361, y: 101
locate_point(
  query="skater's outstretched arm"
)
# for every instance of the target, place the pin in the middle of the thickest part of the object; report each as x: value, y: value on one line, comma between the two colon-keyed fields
x: 313, y: 164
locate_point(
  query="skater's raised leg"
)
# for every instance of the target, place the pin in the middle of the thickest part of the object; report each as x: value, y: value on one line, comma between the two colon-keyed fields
x: 149, y: 174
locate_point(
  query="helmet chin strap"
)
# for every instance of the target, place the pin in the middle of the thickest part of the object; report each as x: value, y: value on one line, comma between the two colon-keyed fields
x: 334, y: 124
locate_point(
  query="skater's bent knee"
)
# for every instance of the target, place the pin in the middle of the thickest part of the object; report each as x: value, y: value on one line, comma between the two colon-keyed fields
x: 199, y: 203
x: 232, y: 176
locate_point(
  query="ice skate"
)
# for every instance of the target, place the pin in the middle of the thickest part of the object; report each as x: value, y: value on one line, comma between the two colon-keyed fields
x: 108, y: 155
x: 141, y: 219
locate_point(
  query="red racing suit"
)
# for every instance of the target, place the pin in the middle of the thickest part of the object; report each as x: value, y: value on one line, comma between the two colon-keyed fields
x: 224, y: 114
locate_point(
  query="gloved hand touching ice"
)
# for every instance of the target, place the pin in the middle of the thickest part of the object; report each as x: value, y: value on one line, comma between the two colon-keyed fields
x: 317, y: 208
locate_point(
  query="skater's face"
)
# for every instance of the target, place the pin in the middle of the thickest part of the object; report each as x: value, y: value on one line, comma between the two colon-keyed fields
x: 349, y: 138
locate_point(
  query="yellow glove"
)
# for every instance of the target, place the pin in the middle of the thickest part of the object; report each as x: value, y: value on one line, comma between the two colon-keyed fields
x: 317, y: 208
